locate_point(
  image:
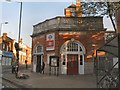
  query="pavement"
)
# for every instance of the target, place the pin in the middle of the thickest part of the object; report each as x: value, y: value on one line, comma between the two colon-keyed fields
x: 37, y: 80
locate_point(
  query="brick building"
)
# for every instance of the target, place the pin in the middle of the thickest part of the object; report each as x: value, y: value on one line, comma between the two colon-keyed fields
x: 25, y: 53
x: 118, y: 19
x: 6, y: 47
x: 73, y: 10
x: 73, y: 38
x: 8, y: 51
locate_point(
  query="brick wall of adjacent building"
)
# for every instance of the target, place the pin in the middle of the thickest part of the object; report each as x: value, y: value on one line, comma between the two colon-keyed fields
x: 118, y: 19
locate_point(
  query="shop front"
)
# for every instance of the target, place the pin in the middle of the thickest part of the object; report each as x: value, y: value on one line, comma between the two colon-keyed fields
x: 6, y: 58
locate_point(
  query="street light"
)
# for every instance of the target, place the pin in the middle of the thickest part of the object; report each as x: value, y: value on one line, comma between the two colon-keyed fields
x: 17, y: 51
x: 20, y: 18
x: 1, y: 26
x: 19, y: 32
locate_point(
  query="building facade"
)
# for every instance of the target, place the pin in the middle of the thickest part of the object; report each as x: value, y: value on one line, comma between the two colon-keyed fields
x: 74, y: 10
x: 6, y: 47
x: 25, y: 53
x: 8, y: 51
x: 73, y: 39
x: 118, y: 19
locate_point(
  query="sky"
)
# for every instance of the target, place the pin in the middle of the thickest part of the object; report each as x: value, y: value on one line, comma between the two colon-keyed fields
x: 33, y: 13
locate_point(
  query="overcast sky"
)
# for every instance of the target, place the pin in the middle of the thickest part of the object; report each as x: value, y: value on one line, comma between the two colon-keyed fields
x: 33, y: 13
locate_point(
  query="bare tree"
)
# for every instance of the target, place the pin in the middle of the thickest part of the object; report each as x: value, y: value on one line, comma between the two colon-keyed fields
x: 105, y: 7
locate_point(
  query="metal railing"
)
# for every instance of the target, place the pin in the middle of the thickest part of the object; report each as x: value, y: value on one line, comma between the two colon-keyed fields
x: 107, y: 66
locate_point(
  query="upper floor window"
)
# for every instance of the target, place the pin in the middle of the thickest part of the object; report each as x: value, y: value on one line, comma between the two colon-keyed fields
x: 5, y: 47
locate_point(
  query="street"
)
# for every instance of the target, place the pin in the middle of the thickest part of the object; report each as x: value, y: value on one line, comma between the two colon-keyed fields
x: 37, y: 80
x: 6, y: 84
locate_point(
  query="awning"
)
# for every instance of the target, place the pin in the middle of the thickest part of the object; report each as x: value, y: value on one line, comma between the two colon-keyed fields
x: 7, y: 54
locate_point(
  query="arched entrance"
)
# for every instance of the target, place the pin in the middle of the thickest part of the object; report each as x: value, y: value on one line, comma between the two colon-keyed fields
x: 37, y: 58
x: 72, y: 57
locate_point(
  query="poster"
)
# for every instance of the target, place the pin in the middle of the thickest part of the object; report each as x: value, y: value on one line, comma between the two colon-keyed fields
x: 50, y: 41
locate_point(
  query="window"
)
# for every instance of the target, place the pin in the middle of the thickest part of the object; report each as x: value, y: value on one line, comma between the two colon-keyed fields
x: 5, y: 47
x: 80, y: 49
x: 63, y: 60
x: 72, y: 46
x: 48, y: 57
x: 81, y: 60
x: 39, y: 49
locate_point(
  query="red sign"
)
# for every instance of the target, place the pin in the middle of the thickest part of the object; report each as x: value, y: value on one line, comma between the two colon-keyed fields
x: 50, y: 41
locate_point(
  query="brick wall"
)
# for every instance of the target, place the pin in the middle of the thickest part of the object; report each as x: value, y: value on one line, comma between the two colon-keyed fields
x: 118, y: 19
x: 86, y: 38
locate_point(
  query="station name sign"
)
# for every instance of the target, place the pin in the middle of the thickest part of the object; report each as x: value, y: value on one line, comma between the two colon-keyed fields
x: 50, y: 41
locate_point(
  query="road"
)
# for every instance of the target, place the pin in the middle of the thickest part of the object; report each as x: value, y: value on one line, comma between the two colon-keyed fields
x: 38, y: 80
x: 6, y: 84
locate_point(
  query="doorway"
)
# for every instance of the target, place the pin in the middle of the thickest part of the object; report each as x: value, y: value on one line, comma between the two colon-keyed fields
x: 39, y: 61
x: 37, y: 58
x: 72, y: 57
x: 72, y: 64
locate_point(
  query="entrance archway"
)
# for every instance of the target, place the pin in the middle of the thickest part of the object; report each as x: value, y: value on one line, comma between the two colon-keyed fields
x: 37, y: 58
x: 72, y: 57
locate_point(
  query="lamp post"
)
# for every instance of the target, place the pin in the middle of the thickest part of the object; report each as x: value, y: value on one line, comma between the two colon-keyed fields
x: 19, y: 32
x: 20, y: 19
x: 1, y: 26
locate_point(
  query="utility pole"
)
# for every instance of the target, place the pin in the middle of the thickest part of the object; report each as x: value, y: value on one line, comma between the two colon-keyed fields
x: 17, y: 44
x: 17, y: 47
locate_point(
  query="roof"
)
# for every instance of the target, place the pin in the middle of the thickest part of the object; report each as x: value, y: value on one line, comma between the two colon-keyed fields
x: 65, y: 17
x: 8, y: 38
x: 72, y: 6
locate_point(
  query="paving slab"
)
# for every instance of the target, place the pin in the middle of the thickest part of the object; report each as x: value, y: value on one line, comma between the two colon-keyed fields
x: 37, y: 80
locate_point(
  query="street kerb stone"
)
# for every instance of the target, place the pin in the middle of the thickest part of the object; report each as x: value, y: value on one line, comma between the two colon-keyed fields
x: 17, y: 82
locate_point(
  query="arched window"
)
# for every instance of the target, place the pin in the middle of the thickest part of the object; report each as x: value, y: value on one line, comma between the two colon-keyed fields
x: 72, y: 46
x: 38, y: 49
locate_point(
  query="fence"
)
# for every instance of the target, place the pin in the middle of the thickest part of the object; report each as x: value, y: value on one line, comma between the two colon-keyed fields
x: 107, y: 66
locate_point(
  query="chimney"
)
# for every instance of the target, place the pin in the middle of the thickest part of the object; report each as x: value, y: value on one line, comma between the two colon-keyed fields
x: 4, y: 34
x: 78, y: 8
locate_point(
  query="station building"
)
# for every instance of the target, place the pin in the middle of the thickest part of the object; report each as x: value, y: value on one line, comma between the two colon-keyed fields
x: 74, y: 39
